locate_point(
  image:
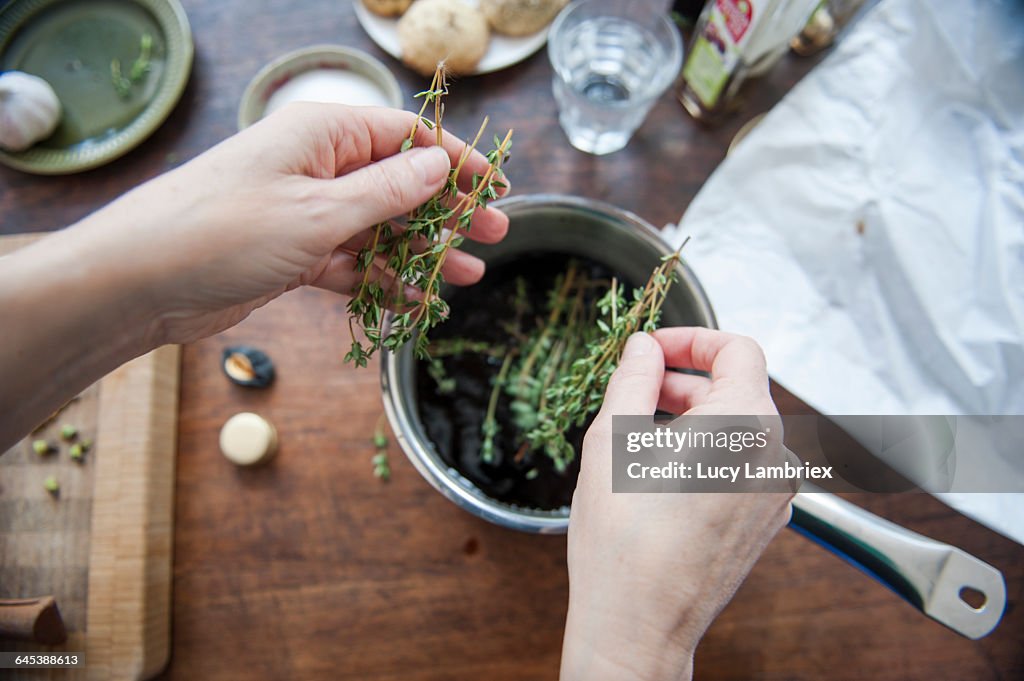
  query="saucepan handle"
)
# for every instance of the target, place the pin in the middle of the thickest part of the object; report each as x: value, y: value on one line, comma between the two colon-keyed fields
x: 932, y: 576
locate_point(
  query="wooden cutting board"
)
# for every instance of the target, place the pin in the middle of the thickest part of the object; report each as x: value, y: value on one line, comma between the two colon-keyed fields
x: 102, y: 547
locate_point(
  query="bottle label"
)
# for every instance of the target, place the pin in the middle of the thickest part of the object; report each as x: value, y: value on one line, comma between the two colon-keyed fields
x: 716, y: 51
x: 736, y: 16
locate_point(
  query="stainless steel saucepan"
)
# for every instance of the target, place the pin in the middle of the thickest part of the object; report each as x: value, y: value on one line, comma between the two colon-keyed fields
x: 929, y: 574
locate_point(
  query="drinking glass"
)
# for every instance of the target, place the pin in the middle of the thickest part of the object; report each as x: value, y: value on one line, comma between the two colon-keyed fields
x: 612, y: 59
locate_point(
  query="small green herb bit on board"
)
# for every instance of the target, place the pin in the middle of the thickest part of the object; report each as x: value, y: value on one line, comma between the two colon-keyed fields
x: 51, y: 485
x: 76, y: 451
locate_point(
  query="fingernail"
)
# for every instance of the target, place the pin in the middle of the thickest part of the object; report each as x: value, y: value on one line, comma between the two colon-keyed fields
x: 432, y: 163
x: 638, y: 344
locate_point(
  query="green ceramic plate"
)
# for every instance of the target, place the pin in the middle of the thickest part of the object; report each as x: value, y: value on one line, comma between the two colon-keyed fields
x: 72, y: 44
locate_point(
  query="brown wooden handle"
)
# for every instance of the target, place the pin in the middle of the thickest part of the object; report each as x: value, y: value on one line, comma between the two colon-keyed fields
x: 32, y: 619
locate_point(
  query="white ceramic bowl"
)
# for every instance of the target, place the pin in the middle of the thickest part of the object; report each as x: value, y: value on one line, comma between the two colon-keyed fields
x: 278, y: 72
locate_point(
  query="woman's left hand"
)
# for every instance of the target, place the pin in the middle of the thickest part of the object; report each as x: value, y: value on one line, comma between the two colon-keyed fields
x: 282, y: 204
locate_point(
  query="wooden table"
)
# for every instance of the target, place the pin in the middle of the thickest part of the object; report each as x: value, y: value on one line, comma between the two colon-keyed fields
x: 312, y: 568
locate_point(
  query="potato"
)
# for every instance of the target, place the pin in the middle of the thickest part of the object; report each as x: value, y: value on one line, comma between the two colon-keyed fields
x: 443, y: 30
x: 520, y: 17
x: 388, y: 8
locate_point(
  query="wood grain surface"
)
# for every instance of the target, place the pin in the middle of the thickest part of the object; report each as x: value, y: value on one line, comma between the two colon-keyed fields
x: 44, y: 541
x: 102, y: 545
x: 128, y: 611
x: 310, y: 568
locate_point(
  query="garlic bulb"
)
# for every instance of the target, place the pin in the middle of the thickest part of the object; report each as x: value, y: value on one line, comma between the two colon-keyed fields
x: 29, y: 110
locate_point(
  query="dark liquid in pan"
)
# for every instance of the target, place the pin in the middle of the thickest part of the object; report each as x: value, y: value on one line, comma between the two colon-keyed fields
x: 453, y: 421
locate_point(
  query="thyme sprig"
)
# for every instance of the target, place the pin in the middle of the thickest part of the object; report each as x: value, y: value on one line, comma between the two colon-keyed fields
x: 490, y: 428
x: 415, y: 253
x: 549, y: 349
x: 454, y: 347
x: 136, y: 74
x: 578, y: 393
x: 445, y: 383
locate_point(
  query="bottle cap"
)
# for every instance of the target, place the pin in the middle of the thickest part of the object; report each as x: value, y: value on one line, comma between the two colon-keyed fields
x: 248, y: 439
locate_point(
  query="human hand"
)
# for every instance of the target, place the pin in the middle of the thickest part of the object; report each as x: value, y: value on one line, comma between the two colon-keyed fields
x: 649, y: 572
x: 282, y: 204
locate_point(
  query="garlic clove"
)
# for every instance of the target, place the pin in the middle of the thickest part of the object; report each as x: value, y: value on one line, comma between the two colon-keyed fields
x: 29, y: 110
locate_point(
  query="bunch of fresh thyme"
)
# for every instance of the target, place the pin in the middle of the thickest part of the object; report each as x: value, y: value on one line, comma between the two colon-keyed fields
x: 416, y: 252
x: 554, y: 374
x: 541, y: 355
x: 578, y: 392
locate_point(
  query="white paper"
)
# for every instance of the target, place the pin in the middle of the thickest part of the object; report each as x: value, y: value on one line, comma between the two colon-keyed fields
x: 869, y: 233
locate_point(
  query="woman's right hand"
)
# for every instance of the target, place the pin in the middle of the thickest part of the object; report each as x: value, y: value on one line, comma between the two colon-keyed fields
x: 649, y: 572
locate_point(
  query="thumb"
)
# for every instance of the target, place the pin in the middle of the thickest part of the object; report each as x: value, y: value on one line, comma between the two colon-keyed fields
x: 634, y: 387
x: 389, y: 187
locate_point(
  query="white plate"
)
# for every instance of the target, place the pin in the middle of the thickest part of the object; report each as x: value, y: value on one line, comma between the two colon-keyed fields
x: 502, y: 52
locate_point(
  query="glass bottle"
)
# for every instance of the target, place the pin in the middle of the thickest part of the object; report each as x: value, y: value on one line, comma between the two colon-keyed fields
x: 732, y: 39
